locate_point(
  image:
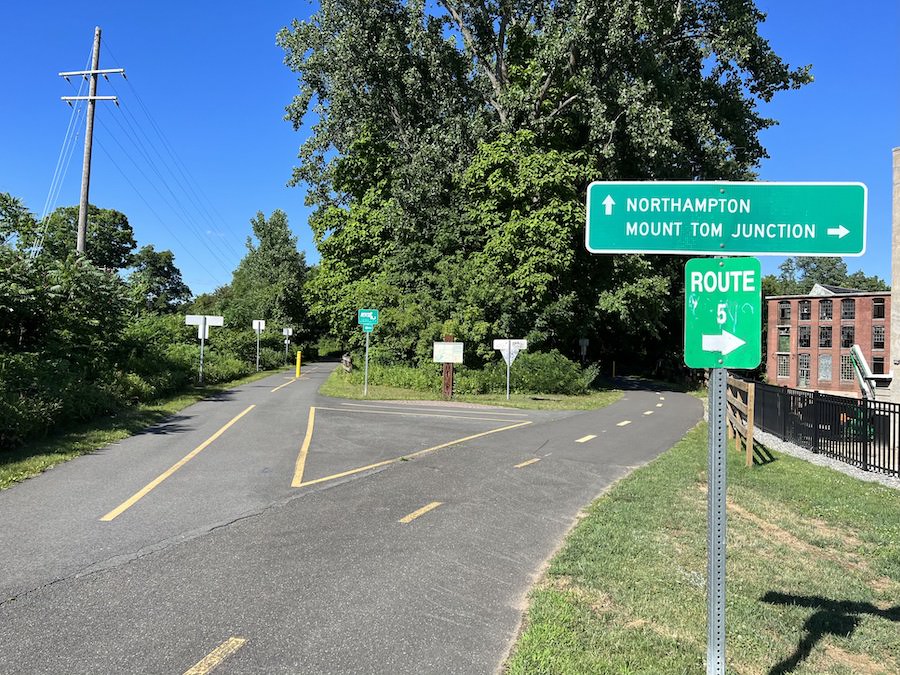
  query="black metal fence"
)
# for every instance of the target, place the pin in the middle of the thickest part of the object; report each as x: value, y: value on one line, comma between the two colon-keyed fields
x: 863, y: 433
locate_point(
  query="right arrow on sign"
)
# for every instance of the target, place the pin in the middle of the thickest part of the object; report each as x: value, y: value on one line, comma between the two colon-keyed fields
x: 724, y: 343
x: 840, y: 231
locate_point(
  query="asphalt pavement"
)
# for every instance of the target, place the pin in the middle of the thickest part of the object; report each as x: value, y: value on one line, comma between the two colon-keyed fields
x: 274, y: 530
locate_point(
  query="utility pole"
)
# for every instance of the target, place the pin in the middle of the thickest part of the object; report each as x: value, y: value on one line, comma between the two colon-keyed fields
x: 89, y: 134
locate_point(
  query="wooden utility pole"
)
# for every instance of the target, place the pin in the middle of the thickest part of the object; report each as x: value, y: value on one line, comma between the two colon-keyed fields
x: 89, y: 133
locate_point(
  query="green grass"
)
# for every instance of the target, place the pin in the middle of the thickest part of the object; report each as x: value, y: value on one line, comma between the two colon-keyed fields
x: 40, y: 455
x: 340, y: 385
x: 812, y: 554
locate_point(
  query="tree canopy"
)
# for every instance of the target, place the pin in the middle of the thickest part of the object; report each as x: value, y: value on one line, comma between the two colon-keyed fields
x: 451, y: 146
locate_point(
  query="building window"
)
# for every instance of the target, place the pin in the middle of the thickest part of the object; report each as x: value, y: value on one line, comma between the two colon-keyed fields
x: 848, y: 308
x: 784, y: 311
x: 877, y: 337
x: 878, y: 365
x: 784, y: 339
x: 877, y: 308
x: 846, y: 368
x: 803, y: 369
x: 825, y: 368
x: 824, y: 336
x: 825, y: 310
x: 804, y: 309
x: 804, y: 334
x: 847, y: 336
x: 784, y: 365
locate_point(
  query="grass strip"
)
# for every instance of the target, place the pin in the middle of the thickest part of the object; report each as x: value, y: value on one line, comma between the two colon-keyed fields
x: 39, y: 455
x: 813, y: 574
x: 340, y: 385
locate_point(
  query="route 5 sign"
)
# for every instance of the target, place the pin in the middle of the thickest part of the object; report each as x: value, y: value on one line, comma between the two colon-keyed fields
x: 722, y: 313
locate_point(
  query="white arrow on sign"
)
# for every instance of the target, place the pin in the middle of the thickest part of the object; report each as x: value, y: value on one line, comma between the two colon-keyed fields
x: 725, y: 343
x: 840, y: 231
x: 608, y: 203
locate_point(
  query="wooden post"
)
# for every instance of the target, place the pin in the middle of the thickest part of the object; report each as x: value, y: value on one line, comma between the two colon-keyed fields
x: 751, y: 402
x: 447, y: 387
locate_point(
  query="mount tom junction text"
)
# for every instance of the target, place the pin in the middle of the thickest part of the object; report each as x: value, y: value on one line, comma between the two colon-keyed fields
x: 727, y: 218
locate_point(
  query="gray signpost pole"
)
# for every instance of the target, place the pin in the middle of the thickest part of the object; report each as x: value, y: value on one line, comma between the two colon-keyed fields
x: 508, y: 361
x: 715, y: 572
x: 257, y: 350
x: 202, y: 342
x: 366, y: 377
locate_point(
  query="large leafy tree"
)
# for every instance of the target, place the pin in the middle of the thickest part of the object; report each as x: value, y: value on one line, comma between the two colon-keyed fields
x: 453, y: 142
x: 268, y: 283
x: 155, y: 281
x: 109, y: 243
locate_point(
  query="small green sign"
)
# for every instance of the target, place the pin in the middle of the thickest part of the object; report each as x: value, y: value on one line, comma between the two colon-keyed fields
x: 727, y: 218
x: 367, y: 316
x: 722, y: 313
x: 368, y: 327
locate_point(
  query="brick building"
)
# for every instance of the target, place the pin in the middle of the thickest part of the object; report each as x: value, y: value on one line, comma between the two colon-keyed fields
x: 809, y: 337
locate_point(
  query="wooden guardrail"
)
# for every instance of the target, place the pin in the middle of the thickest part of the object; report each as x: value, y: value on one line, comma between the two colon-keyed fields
x: 740, y: 399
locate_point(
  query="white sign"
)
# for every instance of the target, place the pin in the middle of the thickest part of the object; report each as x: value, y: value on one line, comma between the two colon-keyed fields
x: 448, y: 352
x: 203, y: 322
x: 287, y: 331
x: 259, y: 325
x: 510, y: 349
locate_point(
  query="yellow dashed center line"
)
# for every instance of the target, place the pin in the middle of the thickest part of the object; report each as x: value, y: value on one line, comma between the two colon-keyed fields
x: 662, y: 398
x: 280, y: 386
x: 527, y: 462
x: 420, y: 512
x: 625, y: 423
x: 649, y: 412
x: 216, y: 656
x: 131, y: 501
x: 585, y: 439
x: 659, y: 405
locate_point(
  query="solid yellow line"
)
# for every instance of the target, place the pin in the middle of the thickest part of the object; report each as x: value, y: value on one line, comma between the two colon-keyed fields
x: 468, y: 410
x: 415, y: 454
x: 293, y: 379
x: 409, y: 414
x: 625, y: 423
x: 216, y: 656
x: 527, y: 462
x: 585, y: 439
x: 304, y: 449
x: 420, y: 512
x: 131, y: 501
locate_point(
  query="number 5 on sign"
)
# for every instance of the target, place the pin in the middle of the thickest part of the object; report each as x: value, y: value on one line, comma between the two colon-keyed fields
x: 721, y: 316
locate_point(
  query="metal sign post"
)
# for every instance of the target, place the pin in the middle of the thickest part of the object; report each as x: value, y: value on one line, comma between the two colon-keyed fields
x: 287, y: 332
x: 509, y: 350
x: 259, y: 326
x: 715, y: 570
x: 368, y: 319
x: 366, y: 377
x: 203, y: 322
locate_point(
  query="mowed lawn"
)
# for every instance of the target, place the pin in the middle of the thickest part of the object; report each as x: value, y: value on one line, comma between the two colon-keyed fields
x: 813, y: 574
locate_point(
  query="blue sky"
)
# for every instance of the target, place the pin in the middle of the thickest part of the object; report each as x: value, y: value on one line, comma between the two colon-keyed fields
x: 214, y: 83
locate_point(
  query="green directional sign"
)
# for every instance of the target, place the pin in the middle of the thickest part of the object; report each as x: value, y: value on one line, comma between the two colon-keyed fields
x: 366, y: 317
x: 722, y: 313
x: 727, y: 218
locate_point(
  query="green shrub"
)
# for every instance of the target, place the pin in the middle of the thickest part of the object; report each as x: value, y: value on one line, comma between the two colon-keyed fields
x: 548, y: 373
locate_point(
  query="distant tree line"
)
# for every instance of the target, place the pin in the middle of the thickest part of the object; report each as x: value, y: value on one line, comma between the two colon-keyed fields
x: 81, y: 336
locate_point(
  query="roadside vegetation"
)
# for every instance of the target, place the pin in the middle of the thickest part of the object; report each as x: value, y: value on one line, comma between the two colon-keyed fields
x: 813, y: 574
x: 39, y: 455
x: 537, y: 381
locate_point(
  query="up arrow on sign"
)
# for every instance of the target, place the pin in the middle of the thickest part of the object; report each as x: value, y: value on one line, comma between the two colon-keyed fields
x: 609, y: 203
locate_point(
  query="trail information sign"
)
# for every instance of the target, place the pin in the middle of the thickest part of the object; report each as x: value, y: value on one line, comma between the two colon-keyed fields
x: 367, y: 317
x: 722, y: 313
x: 727, y: 218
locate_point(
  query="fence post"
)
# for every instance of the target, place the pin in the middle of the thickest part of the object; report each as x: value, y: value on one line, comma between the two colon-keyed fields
x: 865, y: 434
x: 816, y: 419
x: 784, y: 401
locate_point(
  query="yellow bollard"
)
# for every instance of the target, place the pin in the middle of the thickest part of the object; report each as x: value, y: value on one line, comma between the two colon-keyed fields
x: 298, y: 365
